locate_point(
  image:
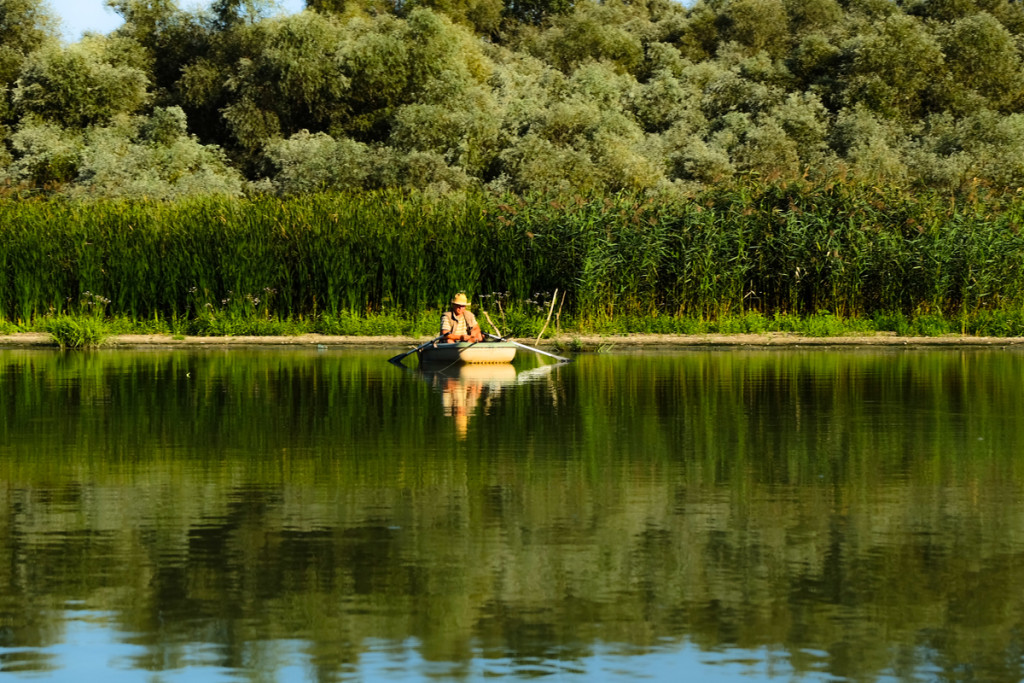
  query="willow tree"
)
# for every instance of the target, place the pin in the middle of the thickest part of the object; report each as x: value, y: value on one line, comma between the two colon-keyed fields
x: 80, y: 85
x: 984, y: 64
x: 151, y: 156
x: 594, y: 32
x: 536, y: 11
x: 170, y: 39
x: 484, y: 17
x: 25, y: 26
x: 758, y: 25
x: 893, y: 68
x: 264, y: 80
x: 390, y: 63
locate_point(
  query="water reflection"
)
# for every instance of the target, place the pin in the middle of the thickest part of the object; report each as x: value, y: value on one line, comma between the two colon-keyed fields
x: 468, y: 389
x: 465, y: 388
x: 320, y: 516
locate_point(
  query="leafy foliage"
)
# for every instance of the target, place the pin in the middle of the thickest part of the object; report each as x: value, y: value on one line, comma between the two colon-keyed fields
x: 25, y: 27
x: 542, y: 97
x: 78, y: 86
x: 132, y: 156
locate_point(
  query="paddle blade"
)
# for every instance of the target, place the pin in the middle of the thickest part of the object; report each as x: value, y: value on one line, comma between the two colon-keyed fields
x: 397, y: 360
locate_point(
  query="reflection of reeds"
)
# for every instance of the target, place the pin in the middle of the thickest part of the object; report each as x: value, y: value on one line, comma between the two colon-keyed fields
x: 774, y: 251
x: 760, y: 503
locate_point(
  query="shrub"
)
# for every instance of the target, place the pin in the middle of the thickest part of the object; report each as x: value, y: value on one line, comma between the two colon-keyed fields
x: 76, y: 332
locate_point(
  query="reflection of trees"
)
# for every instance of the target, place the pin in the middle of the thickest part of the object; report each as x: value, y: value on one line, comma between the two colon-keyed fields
x: 772, y: 500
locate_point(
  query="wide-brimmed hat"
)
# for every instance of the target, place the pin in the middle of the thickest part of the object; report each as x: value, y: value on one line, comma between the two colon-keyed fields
x: 460, y: 299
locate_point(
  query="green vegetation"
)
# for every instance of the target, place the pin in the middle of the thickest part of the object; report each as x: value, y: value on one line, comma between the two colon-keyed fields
x: 660, y: 166
x: 838, y: 510
x: 816, y: 259
x: 76, y: 332
x: 545, y: 96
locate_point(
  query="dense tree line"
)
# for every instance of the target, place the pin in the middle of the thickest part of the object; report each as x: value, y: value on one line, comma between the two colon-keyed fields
x: 512, y: 95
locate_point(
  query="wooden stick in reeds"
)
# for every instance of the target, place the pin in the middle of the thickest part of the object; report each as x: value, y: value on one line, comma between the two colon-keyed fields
x: 491, y: 322
x: 550, y: 311
x: 558, y: 316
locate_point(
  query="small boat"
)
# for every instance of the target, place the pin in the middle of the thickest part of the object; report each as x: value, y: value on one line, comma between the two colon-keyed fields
x: 468, y: 352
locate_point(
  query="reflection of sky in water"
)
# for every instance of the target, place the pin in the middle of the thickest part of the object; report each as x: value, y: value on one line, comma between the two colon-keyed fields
x: 92, y: 651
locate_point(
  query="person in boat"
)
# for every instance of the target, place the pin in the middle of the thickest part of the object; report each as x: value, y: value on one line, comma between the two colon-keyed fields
x: 458, y: 324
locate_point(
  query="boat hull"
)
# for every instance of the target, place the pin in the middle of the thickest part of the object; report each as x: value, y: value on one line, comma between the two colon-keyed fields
x: 466, y: 352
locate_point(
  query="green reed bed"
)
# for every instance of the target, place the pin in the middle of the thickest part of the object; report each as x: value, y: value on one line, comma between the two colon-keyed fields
x: 82, y: 330
x: 386, y: 263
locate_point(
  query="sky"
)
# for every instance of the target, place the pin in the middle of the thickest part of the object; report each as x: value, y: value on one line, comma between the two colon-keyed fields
x: 79, y: 16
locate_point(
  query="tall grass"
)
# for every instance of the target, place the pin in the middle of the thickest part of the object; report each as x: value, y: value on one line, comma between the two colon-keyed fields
x: 839, y: 250
x: 71, y: 332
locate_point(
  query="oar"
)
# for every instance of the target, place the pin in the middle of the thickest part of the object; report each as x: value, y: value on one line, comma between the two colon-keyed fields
x: 400, y: 357
x: 529, y: 348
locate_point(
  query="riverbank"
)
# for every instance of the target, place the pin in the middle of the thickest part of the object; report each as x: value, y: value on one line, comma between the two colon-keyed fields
x: 564, y: 342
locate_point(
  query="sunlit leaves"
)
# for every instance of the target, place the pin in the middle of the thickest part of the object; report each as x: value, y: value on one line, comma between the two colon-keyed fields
x: 292, y: 82
x: 894, y: 68
x: 467, y: 135
x: 129, y: 156
x: 536, y: 11
x: 230, y: 13
x: 957, y: 152
x: 813, y: 15
x: 817, y: 60
x: 586, y: 95
x: 45, y: 155
x: 310, y: 162
x: 592, y: 32
x: 759, y: 25
x: 79, y: 85
x: 25, y: 25
x: 662, y: 101
x: 483, y: 16
x: 534, y: 163
x: 982, y: 56
x: 870, y: 145
x: 391, y: 62
x: 152, y: 157
x: 805, y: 121
x: 692, y: 158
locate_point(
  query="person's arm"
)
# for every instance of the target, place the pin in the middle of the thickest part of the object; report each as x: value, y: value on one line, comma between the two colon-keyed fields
x: 460, y: 337
x: 446, y: 326
x: 473, y: 328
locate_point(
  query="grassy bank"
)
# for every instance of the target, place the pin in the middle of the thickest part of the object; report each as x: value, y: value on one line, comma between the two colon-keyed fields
x: 820, y: 260
x: 84, y: 331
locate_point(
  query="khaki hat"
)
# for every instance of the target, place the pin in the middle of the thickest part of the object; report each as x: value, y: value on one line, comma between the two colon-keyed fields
x: 460, y: 299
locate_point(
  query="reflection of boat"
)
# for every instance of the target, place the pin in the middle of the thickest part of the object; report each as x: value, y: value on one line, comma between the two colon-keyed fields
x: 464, y: 387
x: 468, y: 352
x: 468, y: 388
x: 487, y: 373
x: 492, y: 374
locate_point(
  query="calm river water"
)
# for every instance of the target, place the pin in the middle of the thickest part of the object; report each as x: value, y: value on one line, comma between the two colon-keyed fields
x: 283, y: 515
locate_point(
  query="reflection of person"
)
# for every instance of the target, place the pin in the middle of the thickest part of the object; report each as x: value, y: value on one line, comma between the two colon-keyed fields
x: 460, y: 399
x: 458, y: 324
